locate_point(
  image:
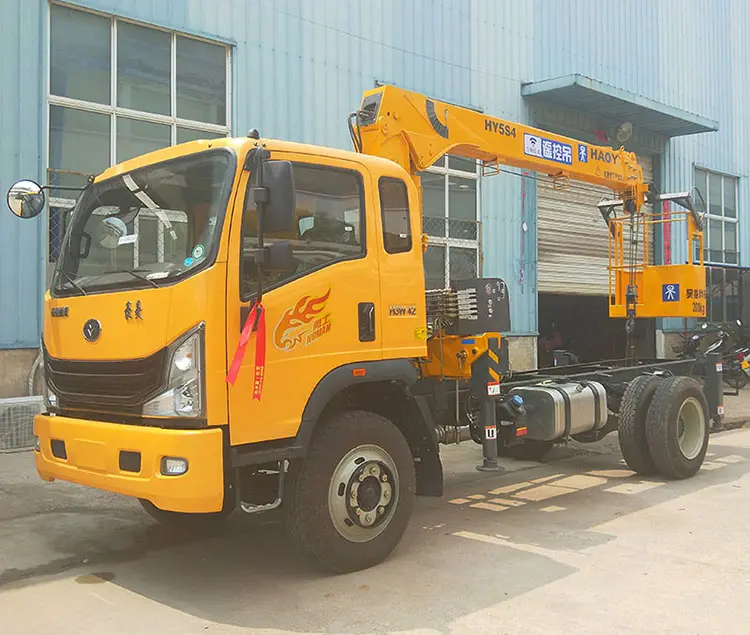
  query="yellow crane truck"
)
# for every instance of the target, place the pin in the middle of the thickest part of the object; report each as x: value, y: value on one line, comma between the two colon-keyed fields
x: 242, y: 323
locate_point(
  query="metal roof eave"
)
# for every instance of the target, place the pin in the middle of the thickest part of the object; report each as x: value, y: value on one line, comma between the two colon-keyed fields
x: 583, y: 93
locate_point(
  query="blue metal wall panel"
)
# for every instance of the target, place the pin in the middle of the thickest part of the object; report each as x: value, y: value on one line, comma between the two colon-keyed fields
x: 503, y: 45
x: 21, y: 114
x: 299, y: 67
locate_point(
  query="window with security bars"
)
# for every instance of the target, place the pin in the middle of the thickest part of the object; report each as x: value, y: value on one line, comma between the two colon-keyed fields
x: 450, y: 204
x: 719, y: 194
x: 118, y: 89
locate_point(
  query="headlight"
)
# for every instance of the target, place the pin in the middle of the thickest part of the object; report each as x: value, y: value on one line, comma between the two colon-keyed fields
x: 184, y: 394
x: 50, y: 398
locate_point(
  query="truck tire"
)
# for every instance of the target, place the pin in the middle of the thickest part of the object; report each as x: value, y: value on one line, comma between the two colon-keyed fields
x: 530, y: 450
x: 195, y: 523
x: 677, y: 427
x: 631, y: 429
x: 350, y: 499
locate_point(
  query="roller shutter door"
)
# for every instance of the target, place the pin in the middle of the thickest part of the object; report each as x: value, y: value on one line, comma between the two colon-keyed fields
x: 572, y: 236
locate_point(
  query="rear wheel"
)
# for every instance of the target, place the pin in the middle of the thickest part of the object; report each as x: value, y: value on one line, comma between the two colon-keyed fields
x: 350, y: 500
x: 631, y: 429
x: 530, y: 450
x: 677, y: 427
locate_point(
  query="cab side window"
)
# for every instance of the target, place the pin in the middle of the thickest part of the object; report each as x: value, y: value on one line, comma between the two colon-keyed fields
x: 394, y: 208
x: 330, y: 225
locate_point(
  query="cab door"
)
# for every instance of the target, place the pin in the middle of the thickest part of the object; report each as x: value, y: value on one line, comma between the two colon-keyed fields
x: 402, y: 311
x: 321, y: 316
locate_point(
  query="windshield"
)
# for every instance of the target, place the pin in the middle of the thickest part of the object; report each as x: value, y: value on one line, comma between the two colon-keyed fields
x: 146, y: 227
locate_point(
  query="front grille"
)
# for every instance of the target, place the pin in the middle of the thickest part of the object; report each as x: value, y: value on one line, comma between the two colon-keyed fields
x: 123, y: 385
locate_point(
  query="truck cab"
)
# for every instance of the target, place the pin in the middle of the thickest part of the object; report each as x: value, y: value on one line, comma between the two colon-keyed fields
x: 158, y: 270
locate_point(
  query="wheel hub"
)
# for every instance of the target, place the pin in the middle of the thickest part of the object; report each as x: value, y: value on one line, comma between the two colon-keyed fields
x: 370, y: 494
x: 363, y: 493
x: 690, y: 428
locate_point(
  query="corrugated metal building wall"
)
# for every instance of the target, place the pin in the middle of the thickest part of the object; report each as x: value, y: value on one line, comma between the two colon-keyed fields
x: 299, y: 67
x: 22, y: 95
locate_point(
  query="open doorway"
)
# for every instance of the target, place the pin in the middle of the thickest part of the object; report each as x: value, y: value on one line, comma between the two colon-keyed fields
x: 581, y: 324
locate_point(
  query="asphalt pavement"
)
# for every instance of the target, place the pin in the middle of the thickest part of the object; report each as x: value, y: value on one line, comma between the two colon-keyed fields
x: 577, y: 544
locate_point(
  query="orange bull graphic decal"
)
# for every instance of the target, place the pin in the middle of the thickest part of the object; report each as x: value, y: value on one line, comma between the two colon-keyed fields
x: 304, y: 323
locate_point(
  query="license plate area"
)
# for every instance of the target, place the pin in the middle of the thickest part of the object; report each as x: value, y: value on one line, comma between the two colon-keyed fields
x: 88, y: 455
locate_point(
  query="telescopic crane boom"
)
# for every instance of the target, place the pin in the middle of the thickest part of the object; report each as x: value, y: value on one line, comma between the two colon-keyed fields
x: 414, y: 131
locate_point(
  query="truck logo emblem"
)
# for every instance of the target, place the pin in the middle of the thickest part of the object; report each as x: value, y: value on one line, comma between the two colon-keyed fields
x: 92, y: 329
x: 129, y: 310
x: 59, y: 311
x: 304, y: 323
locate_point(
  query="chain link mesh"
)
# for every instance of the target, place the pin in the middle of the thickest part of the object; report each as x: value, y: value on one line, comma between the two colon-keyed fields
x: 17, y: 422
x: 454, y: 228
x: 457, y: 251
x: 60, y: 203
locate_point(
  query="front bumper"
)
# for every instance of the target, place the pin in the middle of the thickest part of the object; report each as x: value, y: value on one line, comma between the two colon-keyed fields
x: 92, y: 457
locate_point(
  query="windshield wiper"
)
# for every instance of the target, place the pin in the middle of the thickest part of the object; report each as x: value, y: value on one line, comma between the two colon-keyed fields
x: 72, y: 281
x: 128, y: 271
x: 135, y: 274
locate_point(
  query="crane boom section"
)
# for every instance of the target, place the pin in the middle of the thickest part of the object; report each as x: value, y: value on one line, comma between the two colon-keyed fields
x: 415, y: 131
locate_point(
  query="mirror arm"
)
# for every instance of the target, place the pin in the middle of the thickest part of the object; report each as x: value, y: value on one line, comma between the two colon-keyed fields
x: 67, y: 188
x: 261, y: 199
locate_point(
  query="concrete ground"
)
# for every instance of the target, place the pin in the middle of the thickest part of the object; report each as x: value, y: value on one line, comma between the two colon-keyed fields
x: 575, y: 545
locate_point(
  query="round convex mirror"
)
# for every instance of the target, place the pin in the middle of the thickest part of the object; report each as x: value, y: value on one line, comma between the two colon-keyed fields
x: 26, y: 199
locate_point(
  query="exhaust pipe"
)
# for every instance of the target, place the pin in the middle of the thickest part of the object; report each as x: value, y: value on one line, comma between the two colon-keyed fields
x: 453, y: 434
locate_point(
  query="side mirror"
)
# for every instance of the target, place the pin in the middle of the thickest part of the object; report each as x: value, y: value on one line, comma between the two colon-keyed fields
x: 279, y: 257
x: 739, y: 323
x: 26, y: 199
x: 281, y: 206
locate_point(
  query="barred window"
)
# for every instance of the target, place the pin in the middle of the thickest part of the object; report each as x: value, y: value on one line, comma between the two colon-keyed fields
x: 120, y: 89
x: 450, y: 203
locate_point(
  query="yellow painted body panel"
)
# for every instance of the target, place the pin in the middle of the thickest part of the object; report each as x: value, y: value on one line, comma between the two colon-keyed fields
x: 688, y: 287
x: 456, y: 358
x: 669, y: 290
x: 93, y: 459
x: 406, y: 132
x: 168, y: 312
x: 312, y: 322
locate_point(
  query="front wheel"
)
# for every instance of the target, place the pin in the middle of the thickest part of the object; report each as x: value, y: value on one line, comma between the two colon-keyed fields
x: 350, y: 500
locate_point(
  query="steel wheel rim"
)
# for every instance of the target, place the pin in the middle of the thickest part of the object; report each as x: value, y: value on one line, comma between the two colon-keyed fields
x: 691, y: 428
x: 363, y: 493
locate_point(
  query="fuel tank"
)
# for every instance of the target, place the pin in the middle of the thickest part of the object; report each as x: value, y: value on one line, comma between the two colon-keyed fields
x: 555, y: 411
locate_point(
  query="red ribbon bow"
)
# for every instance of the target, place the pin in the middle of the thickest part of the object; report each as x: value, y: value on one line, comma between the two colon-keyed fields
x: 255, y: 323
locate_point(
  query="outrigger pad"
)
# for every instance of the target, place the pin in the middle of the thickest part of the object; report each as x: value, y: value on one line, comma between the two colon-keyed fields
x: 484, y: 306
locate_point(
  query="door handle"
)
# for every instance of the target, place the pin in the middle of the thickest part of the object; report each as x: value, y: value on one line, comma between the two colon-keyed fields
x: 366, y: 315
